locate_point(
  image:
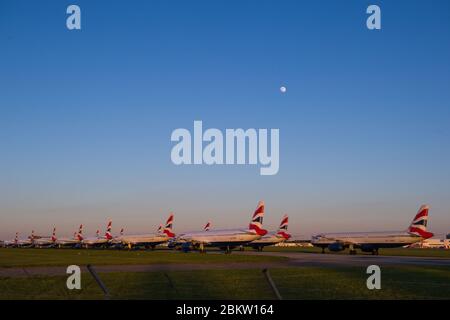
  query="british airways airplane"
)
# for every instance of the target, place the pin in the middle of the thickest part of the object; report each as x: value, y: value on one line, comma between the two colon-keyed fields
x: 20, y: 243
x: 274, y: 237
x: 149, y: 240
x: 115, y: 241
x: 372, y: 241
x: 71, y: 242
x: 45, y: 242
x: 98, y: 241
x: 228, y: 239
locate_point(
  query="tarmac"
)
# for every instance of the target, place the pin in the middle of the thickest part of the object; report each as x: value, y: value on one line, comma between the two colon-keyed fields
x: 336, y: 260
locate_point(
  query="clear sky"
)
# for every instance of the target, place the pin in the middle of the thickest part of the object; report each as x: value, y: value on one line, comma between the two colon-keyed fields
x: 86, y: 116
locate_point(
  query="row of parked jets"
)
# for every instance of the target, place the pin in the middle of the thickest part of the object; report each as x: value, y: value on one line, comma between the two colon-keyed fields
x: 254, y: 236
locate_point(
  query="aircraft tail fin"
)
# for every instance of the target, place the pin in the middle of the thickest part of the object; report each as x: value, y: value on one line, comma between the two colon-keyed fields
x: 108, y: 234
x: 168, y: 228
x: 207, y: 226
x: 54, y: 234
x: 418, y: 226
x: 282, y: 230
x: 256, y: 225
x: 80, y: 233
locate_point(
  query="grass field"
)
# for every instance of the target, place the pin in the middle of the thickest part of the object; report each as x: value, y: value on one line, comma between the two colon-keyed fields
x: 64, y: 257
x: 293, y: 283
x: 413, y: 252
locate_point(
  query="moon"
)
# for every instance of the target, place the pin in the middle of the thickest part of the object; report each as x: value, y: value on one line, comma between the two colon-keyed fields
x: 283, y: 89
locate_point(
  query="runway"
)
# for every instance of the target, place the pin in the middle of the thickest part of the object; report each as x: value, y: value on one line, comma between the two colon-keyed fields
x: 296, y: 259
x: 334, y: 260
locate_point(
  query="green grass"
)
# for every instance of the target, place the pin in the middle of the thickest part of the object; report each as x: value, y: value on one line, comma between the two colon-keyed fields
x: 413, y: 252
x: 64, y: 257
x: 293, y: 283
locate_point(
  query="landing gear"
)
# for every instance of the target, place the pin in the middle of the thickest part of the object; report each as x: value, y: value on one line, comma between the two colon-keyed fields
x: 352, y: 250
x: 152, y: 247
x: 375, y: 252
x: 201, y: 248
x: 323, y: 249
x: 227, y: 249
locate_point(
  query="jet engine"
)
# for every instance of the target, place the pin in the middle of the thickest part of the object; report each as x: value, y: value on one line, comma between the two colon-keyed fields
x: 337, y: 246
x: 368, y: 248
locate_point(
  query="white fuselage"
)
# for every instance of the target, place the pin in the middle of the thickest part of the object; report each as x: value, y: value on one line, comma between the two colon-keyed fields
x: 221, y: 237
x: 92, y: 242
x: 268, y: 239
x: 380, y: 239
x: 143, y: 239
x: 63, y: 242
x: 22, y: 243
x: 7, y: 243
x: 43, y: 242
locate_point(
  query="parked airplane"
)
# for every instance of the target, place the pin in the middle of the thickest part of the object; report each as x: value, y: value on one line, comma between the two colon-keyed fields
x: 274, y: 237
x: 8, y: 243
x: 45, y: 242
x: 98, y: 241
x: 179, y: 243
x: 115, y: 241
x: 71, y: 242
x: 149, y: 240
x: 20, y: 243
x: 228, y: 239
x: 11, y: 243
x: 372, y: 241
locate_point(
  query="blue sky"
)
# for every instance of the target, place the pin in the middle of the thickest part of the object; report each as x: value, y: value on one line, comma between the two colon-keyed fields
x: 86, y: 116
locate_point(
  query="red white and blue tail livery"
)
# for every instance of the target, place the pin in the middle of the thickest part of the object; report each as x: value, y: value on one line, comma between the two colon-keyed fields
x: 418, y: 226
x: 257, y: 220
x: 45, y: 242
x: 273, y: 238
x: 99, y: 241
x: 108, y: 234
x: 54, y: 235
x: 71, y: 242
x: 282, y: 230
x: 80, y: 233
x: 150, y: 240
x: 229, y: 238
x: 16, y: 243
x: 168, y: 228
x: 372, y: 241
